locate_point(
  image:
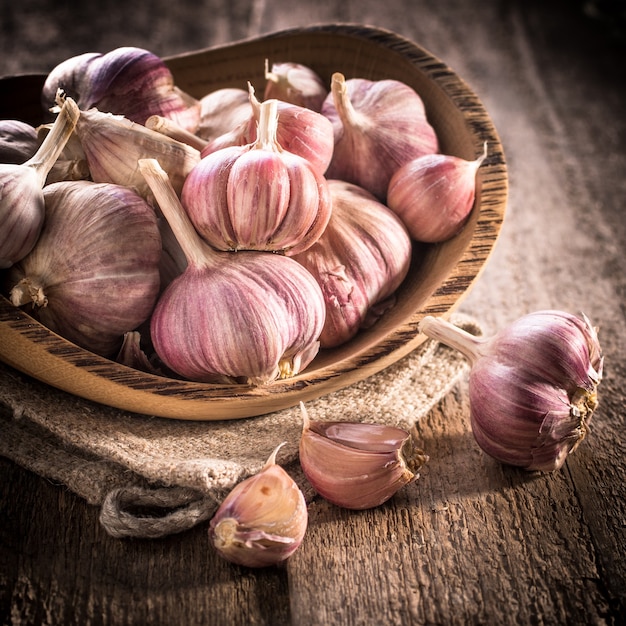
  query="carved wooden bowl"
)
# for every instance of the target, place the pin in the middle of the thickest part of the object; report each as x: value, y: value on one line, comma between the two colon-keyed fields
x: 440, y: 275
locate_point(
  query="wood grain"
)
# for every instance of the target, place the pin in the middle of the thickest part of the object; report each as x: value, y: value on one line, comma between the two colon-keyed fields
x: 472, y: 542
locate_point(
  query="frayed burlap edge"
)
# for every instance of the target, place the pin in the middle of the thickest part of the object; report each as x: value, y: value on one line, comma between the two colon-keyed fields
x: 153, y: 476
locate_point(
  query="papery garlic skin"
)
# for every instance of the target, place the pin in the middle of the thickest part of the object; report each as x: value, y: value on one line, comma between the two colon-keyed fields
x: 127, y: 81
x: 359, y: 261
x: 378, y: 127
x: 258, y: 196
x: 263, y: 520
x: 93, y: 274
x: 533, y: 385
x: 434, y: 194
x: 295, y: 83
x: 357, y: 465
x: 250, y: 316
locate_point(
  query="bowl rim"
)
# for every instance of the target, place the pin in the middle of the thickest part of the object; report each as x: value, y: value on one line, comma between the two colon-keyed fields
x: 39, y: 352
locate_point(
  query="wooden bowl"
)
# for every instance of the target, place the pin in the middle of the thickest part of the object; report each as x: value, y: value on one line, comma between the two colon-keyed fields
x: 440, y: 275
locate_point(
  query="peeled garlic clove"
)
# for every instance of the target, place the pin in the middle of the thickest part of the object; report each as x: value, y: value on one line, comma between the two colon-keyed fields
x: 359, y: 261
x: 295, y: 83
x: 378, y: 127
x: 259, y: 196
x: 357, y: 465
x: 113, y: 145
x: 263, y: 520
x: 93, y: 274
x: 223, y: 110
x: 250, y: 316
x: 22, y: 204
x: 434, y: 194
x: 533, y: 385
x: 127, y: 81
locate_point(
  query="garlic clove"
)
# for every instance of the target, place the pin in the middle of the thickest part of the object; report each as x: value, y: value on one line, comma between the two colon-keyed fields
x: 295, y: 83
x: 127, y: 81
x: 357, y: 465
x: 533, y: 385
x: 359, y: 261
x: 263, y: 520
x: 250, y: 316
x: 93, y: 274
x: 378, y: 127
x: 434, y: 194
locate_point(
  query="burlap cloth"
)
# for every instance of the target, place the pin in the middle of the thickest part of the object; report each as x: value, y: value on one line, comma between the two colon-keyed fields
x: 152, y: 476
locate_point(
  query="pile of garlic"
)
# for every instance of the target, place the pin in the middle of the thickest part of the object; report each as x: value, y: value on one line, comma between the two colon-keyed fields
x: 220, y: 239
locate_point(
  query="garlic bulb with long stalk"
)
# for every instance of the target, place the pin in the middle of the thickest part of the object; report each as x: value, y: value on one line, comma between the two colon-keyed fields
x: 250, y: 316
x: 295, y: 83
x: 21, y: 189
x: 360, y: 260
x: 434, y: 194
x: 533, y: 385
x: 378, y: 127
x: 93, y: 274
x: 263, y: 520
x: 127, y: 81
x: 357, y: 465
x: 259, y: 196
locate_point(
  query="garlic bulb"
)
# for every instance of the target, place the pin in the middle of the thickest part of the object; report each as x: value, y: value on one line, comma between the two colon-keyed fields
x: 357, y: 465
x: 295, y: 83
x: 359, y: 261
x: 299, y: 130
x: 93, y: 274
x: 21, y: 196
x: 127, y: 81
x: 263, y: 520
x: 223, y: 110
x: 18, y: 141
x: 378, y: 127
x: 251, y: 316
x: 258, y: 196
x: 434, y: 194
x: 533, y: 385
x: 113, y: 144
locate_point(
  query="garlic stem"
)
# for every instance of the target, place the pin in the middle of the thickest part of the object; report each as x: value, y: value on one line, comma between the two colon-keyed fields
x: 452, y: 336
x: 52, y: 146
x: 272, y: 458
x: 268, y: 125
x: 172, y: 130
x: 195, y: 250
x: 343, y: 104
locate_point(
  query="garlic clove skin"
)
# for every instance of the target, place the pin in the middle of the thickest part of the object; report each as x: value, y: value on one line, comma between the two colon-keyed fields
x: 533, y: 385
x: 263, y: 520
x: 127, y: 81
x: 359, y: 261
x: 357, y: 465
x: 93, y: 274
x: 295, y: 83
x: 434, y: 194
x: 378, y: 127
x: 250, y: 316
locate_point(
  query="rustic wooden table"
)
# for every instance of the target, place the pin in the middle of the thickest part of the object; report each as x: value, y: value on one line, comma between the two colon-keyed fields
x: 472, y: 542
